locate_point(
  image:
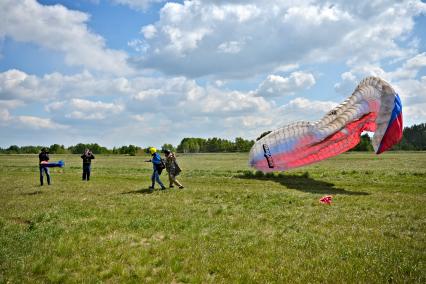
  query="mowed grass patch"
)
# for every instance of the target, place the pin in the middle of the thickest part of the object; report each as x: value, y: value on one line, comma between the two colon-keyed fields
x: 230, y: 223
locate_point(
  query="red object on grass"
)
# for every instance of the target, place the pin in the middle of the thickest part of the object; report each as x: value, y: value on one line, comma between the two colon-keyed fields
x: 326, y: 199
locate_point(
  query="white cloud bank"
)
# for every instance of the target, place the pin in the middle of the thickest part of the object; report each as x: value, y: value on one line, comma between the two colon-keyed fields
x: 244, y: 38
x: 275, y: 85
x: 58, y: 28
x: 139, y: 102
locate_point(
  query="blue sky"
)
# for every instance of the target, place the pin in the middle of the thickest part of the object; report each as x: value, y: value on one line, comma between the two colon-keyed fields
x: 149, y: 72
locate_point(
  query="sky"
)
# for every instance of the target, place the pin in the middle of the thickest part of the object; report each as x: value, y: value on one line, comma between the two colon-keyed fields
x: 150, y: 72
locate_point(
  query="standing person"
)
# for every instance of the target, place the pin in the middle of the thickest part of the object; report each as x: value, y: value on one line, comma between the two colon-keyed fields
x: 43, y: 158
x: 87, y: 160
x: 158, y: 166
x: 172, y: 168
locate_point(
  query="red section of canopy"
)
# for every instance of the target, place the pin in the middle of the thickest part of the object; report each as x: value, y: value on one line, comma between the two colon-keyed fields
x: 307, y: 151
x: 393, y: 134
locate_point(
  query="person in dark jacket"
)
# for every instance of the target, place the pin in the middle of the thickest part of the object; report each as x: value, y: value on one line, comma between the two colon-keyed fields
x: 157, y: 164
x: 43, y: 157
x: 87, y: 161
x: 172, y: 168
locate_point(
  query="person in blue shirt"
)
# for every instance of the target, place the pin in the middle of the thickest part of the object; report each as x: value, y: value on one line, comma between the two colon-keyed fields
x: 158, y: 166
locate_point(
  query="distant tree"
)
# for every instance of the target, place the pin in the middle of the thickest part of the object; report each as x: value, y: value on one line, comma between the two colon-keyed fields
x: 414, y: 137
x: 95, y: 148
x: 263, y: 135
x: 184, y: 145
x: 168, y: 147
x: 213, y: 145
x: 242, y: 145
x: 57, y: 149
x: 30, y: 149
x: 13, y: 149
x: 129, y: 150
x: 132, y: 149
x: 77, y: 149
x: 364, y: 144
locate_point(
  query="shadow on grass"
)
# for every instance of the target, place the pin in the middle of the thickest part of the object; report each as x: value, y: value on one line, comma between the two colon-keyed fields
x: 33, y: 193
x: 139, y: 191
x: 300, y: 182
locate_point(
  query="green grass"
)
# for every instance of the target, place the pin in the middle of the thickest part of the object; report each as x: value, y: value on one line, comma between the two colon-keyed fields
x: 229, y: 224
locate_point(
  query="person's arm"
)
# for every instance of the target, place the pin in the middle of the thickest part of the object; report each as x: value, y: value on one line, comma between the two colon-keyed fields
x: 92, y: 156
x: 47, y: 157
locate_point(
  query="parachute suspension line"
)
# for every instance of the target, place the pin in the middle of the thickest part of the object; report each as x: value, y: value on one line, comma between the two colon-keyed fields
x: 268, y: 156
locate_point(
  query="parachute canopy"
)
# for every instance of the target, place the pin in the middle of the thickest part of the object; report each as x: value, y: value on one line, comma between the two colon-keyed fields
x: 59, y: 164
x: 374, y: 106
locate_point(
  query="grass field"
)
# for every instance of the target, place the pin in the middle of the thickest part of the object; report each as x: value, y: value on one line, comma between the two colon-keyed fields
x: 228, y: 225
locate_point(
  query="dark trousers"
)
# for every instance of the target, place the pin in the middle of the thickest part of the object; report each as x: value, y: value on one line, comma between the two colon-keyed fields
x: 44, y: 170
x: 86, y: 171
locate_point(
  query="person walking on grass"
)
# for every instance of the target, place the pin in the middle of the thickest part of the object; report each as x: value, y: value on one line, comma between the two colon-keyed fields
x: 158, y: 166
x: 87, y: 161
x: 172, y: 169
x: 43, y: 158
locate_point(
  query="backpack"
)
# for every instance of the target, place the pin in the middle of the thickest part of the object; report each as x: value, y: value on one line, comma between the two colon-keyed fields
x: 161, y: 166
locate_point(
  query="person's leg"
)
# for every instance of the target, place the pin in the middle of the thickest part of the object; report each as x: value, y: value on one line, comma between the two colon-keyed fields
x: 153, y: 179
x: 170, y: 180
x: 178, y: 183
x: 46, y: 169
x: 175, y: 181
x: 88, y: 172
x: 41, y: 176
x: 157, y: 178
x: 84, y: 173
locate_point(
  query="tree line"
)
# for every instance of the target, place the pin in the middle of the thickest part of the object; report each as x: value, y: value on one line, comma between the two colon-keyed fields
x: 214, y: 145
x: 75, y: 149
x: 414, y: 139
x: 187, y: 145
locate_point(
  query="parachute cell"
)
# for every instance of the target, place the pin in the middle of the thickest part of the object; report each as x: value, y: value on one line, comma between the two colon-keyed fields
x: 374, y: 106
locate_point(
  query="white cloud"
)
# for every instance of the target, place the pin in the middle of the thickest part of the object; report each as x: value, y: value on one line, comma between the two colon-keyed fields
x: 138, y: 117
x: 275, y: 86
x: 38, y: 122
x: 305, y: 109
x: 316, y: 15
x: 245, y: 38
x: 82, y: 109
x: 138, y: 45
x: 10, y: 104
x: 58, y: 28
x: 149, y: 31
x: 4, y: 116
x: 137, y: 4
x: 15, y: 84
x: 410, y: 68
x: 18, y: 85
x: 230, y: 47
x: 184, y: 98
